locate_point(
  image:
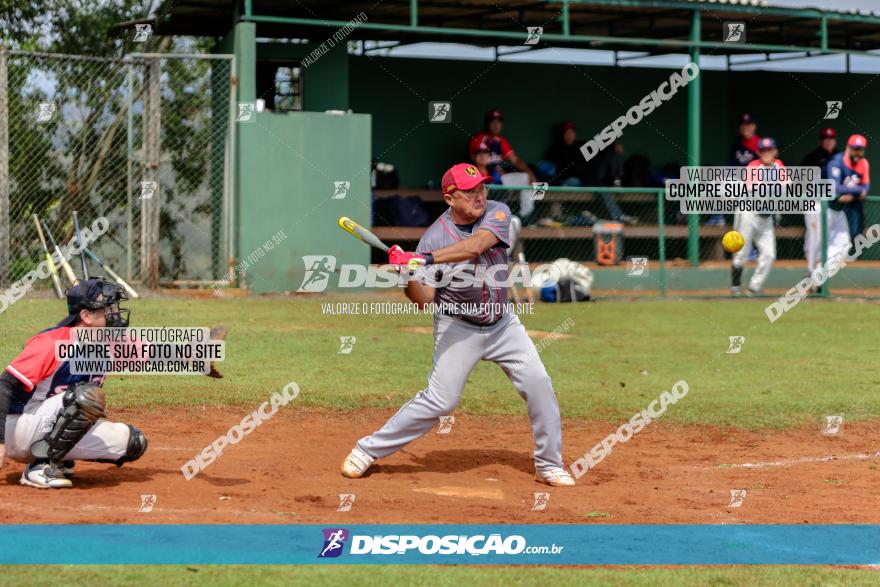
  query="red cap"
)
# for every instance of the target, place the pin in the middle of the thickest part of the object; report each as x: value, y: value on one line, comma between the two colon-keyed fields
x: 857, y: 141
x: 492, y: 115
x: 463, y: 176
x: 568, y: 125
x: 828, y: 133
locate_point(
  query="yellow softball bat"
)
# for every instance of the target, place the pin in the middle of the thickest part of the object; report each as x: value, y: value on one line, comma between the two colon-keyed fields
x: 732, y: 241
x: 358, y: 231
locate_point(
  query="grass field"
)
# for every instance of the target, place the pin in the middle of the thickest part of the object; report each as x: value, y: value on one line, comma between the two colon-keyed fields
x: 817, y: 360
x: 375, y: 575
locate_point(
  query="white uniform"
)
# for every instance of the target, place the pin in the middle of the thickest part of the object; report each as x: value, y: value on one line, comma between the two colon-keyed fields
x: 838, y: 234
x: 757, y: 231
x: 813, y: 239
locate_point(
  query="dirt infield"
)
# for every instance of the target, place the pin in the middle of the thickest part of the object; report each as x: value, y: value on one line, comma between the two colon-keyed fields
x: 287, y: 471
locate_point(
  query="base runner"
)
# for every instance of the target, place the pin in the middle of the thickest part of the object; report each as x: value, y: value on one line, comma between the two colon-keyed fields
x: 53, y: 418
x: 473, y: 231
x: 757, y: 229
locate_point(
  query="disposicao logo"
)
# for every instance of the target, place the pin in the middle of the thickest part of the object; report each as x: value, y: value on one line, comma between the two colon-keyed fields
x: 334, y: 541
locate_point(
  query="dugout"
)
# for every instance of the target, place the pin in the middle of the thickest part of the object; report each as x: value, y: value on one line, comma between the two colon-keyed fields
x: 287, y: 165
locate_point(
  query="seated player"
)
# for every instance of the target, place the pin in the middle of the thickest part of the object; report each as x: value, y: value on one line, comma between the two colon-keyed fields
x: 53, y: 418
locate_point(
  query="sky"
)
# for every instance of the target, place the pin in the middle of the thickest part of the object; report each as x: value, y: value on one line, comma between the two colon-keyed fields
x: 830, y: 63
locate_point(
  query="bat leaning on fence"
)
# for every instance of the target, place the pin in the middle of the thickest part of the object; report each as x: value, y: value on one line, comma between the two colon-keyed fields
x: 68, y: 271
x: 55, y: 281
x: 113, y: 275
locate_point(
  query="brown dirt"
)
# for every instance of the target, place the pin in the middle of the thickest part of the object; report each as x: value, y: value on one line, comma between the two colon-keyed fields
x: 287, y: 471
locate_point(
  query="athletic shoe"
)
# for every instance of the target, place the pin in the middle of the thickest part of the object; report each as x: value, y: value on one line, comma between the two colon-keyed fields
x: 627, y: 219
x: 754, y: 292
x: 736, y: 291
x: 44, y: 476
x: 556, y: 476
x: 356, y: 463
x: 67, y: 468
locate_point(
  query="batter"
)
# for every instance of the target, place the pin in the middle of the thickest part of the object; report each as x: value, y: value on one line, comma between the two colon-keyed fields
x: 473, y: 326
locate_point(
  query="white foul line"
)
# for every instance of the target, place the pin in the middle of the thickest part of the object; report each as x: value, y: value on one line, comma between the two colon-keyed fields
x: 860, y: 456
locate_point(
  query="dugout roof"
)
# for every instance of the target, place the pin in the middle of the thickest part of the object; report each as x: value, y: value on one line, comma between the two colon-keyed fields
x: 651, y: 26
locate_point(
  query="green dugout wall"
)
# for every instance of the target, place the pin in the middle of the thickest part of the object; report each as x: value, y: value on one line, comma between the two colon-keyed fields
x: 535, y: 97
x: 287, y: 163
x: 290, y: 164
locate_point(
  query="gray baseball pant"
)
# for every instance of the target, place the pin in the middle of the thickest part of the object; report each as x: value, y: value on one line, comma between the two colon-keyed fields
x: 458, y: 346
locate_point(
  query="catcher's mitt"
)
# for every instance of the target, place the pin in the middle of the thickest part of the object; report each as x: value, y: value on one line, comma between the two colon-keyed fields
x: 217, y: 333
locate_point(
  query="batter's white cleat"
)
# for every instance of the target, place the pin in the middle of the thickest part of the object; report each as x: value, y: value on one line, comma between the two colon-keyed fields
x: 356, y: 463
x: 555, y: 476
x: 44, y: 476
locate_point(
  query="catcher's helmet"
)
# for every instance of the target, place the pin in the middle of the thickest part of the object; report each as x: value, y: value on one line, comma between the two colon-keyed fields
x: 97, y: 294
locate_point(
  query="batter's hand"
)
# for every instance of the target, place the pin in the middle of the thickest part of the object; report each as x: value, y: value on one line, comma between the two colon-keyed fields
x: 397, y: 256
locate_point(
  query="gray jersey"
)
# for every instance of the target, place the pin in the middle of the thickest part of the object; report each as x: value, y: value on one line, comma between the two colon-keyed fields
x: 480, y: 302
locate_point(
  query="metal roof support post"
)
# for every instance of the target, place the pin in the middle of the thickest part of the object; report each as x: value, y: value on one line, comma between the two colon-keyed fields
x: 823, y: 32
x: 413, y: 13
x: 566, y: 24
x: 694, y: 97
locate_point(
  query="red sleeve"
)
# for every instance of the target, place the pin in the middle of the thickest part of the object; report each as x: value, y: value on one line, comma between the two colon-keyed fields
x: 866, y: 173
x: 36, y: 361
x: 474, y: 143
x: 506, y: 149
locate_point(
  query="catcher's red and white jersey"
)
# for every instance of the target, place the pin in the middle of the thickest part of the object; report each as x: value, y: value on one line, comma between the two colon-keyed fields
x: 40, y: 372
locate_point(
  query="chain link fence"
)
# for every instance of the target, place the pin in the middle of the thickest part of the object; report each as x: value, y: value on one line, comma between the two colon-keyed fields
x: 634, y: 232
x: 145, y: 141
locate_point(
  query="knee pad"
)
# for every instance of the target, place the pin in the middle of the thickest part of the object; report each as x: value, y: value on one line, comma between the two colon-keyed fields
x: 83, y: 405
x: 137, y: 446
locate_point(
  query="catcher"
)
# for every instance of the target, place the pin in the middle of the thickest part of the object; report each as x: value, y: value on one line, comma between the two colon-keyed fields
x: 53, y: 418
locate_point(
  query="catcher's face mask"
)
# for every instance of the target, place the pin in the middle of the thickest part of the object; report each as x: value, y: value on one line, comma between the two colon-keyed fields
x: 96, y: 294
x: 112, y: 297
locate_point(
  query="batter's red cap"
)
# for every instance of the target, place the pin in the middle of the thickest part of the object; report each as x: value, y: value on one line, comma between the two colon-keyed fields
x: 857, y: 141
x: 463, y: 176
x: 828, y: 133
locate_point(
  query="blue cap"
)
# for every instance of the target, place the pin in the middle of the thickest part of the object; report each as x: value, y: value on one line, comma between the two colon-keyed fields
x: 748, y: 119
x: 766, y: 143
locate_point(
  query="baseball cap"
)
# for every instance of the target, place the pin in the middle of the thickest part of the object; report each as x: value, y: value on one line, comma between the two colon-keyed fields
x: 747, y: 118
x: 463, y: 176
x: 766, y: 143
x: 492, y: 115
x: 827, y: 133
x: 857, y: 141
x: 568, y: 125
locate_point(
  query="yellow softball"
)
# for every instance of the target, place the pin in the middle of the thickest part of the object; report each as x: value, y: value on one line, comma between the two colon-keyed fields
x: 732, y: 241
